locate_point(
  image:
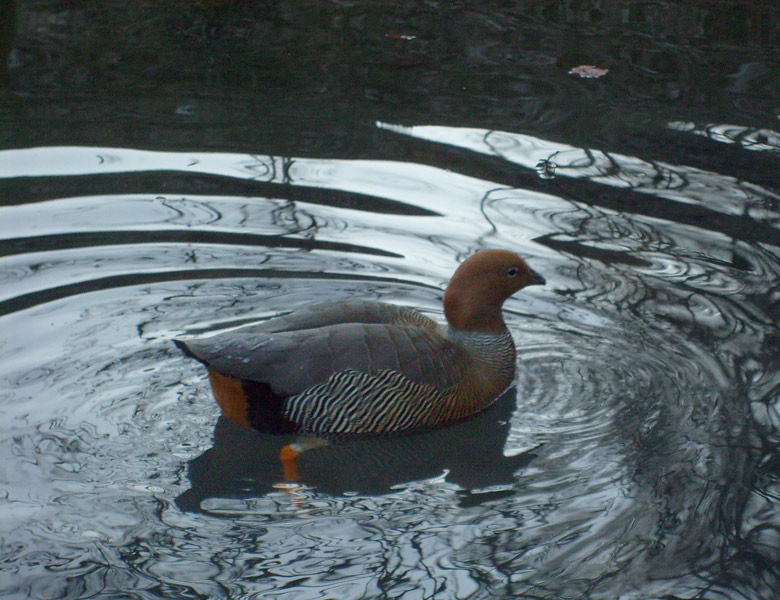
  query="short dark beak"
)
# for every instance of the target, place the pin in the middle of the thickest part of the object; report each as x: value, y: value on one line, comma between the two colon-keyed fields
x: 537, y: 279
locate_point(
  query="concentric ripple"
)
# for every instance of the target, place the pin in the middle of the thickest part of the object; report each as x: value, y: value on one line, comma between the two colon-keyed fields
x: 625, y: 462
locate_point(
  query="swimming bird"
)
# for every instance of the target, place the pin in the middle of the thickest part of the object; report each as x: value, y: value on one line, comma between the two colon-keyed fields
x: 359, y: 367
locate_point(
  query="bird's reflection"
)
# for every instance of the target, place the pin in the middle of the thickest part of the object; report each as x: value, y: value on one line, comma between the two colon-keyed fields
x: 244, y: 463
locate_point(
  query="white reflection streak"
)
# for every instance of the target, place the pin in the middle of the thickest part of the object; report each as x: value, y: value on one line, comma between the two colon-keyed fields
x: 684, y: 184
x: 129, y: 212
x: 422, y: 185
x: 435, y: 189
x: 56, y: 161
x: 762, y: 140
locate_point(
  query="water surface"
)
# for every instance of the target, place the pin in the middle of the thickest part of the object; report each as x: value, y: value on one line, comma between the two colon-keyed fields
x: 636, y: 456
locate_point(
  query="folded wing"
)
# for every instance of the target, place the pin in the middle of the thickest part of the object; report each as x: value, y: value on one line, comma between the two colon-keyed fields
x: 291, y: 361
x: 336, y: 313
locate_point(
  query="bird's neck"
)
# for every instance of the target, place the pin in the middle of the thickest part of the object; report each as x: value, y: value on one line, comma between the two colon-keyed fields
x: 493, y: 361
x: 496, y: 351
x: 476, y: 317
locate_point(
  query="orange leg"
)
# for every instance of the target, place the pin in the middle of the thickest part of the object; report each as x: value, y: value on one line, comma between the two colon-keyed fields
x: 289, y: 459
x: 290, y: 453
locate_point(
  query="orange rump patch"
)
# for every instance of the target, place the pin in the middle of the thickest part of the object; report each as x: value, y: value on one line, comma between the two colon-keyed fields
x: 230, y: 396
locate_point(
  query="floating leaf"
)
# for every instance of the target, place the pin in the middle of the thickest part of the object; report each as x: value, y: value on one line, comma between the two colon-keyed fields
x: 588, y: 71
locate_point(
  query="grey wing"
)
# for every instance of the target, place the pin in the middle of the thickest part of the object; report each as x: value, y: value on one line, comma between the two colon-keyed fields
x: 335, y: 313
x: 293, y: 361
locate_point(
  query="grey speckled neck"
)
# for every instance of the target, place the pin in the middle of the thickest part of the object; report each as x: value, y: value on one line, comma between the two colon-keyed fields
x: 493, y: 348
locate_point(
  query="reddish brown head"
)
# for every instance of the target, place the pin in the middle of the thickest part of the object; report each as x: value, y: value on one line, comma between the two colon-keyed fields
x: 480, y: 286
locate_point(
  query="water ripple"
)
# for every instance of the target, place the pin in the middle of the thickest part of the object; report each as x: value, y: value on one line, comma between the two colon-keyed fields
x: 678, y: 183
x: 646, y: 395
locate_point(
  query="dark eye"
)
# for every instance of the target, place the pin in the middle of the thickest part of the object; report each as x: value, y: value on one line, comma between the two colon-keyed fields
x: 513, y: 272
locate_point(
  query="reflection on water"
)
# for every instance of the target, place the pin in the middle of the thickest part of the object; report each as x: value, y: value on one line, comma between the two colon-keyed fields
x: 674, y: 183
x: 362, y: 151
x: 626, y: 460
x: 759, y: 140
x: 244, y: 464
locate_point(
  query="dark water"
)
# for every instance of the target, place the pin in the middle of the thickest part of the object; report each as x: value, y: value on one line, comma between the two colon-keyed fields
x: 174, y: 167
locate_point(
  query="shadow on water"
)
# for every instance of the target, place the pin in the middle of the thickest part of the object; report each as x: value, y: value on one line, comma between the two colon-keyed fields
x: 243, y: 463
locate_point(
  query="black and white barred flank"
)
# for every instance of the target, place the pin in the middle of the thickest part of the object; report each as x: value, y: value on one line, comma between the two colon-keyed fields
x: 354, y: 402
